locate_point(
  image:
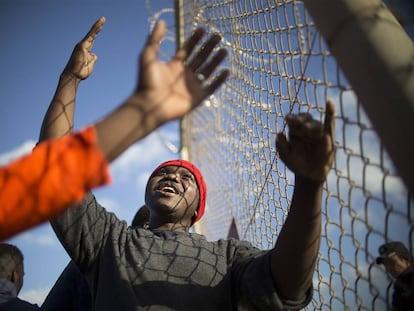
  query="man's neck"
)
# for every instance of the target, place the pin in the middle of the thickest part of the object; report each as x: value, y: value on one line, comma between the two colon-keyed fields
x: 170, y: 227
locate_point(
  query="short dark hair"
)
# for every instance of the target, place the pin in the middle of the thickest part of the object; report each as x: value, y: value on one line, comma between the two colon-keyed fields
x: 390, y: 248
x: 141, y: 217
x: 8, y: 251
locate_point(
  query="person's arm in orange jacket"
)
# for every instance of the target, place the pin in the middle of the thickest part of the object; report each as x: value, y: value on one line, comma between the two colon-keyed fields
x: 40, y: 185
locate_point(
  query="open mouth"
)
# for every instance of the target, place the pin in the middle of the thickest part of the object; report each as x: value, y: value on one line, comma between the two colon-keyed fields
x: 168, y: 189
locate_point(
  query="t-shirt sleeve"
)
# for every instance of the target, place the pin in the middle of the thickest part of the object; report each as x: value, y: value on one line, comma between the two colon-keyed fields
x: 41, y: 185
x: 84, y: 230
x: 253, y: 282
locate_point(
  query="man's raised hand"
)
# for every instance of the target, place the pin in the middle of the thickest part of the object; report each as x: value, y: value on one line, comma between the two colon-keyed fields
x: 172, y: 89
x: 309, y: 150
x: 82, y: 60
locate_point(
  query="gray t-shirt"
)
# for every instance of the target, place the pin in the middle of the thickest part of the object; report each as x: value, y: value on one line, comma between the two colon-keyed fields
x: 137, y: 269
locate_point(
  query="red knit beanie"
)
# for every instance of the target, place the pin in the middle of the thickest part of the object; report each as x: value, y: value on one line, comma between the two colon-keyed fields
x: 202, y: 188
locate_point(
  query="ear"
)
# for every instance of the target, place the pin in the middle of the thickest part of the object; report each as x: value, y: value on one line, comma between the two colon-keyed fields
x: 14, y: 277
x: 194, y: 216
x: 17, y: 279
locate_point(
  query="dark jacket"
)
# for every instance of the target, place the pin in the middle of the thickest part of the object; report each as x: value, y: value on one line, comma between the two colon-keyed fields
x: 9, y: 300
x: 70, y: 292
x: 16, y: 304
x: 403, y: 296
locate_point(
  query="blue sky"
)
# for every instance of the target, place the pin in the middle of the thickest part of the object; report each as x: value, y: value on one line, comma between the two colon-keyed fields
x: 37, y: 39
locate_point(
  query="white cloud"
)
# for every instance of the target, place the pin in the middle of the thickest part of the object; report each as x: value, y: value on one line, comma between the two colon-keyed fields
x: 19, y: 151
x: 141, y: 180
x: 110, y: 205
x: 38, y: 236
x: 36, y: 296
x: 45, y: 240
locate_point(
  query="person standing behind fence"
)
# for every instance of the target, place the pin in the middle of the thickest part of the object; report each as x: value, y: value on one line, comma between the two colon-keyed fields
x: 398, y: 262
x: 11, y: 279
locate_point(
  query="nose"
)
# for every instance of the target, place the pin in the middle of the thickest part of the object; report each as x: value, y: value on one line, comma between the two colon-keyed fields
x: 173, y: 176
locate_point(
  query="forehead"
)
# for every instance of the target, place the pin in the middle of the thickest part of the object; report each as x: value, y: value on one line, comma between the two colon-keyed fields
x: 391, y: 258
x: 175, y: 169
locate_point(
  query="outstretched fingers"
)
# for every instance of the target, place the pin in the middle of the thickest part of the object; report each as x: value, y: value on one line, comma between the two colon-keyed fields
x: 189, y: 46
x: 205, y: 60
x: 209, y: 67
x: 89, y: 38
x: 329, y: 131
x: 329, y: 123
x: 152, y: 47
x: 198, y: 59
x: 157, y: 34
x: 217, y: 82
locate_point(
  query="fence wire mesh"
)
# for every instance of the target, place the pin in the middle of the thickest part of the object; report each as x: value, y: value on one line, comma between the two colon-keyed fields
x: 280, y: 64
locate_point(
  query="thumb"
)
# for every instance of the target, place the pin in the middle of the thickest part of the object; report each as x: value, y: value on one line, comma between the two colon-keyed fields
x: 282, y: 146
x: 152, y: 46
x: 93, y: 60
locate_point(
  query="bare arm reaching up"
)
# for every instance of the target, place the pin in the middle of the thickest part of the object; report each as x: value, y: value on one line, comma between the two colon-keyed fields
x: 308, y: 153
x: 58, y: 120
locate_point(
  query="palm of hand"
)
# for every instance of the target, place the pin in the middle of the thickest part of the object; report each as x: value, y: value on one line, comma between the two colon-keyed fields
x: 171, y: 90
x: 81, y: 63
x: 170, y: 85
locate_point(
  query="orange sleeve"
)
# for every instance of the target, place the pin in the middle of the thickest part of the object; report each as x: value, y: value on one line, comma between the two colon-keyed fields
x: 41, y: 185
